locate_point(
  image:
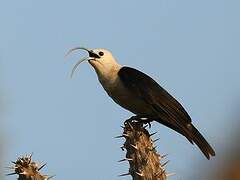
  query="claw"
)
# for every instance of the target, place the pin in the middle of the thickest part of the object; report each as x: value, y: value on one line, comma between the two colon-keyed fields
x: 130, y: 120
x: 145, y: 126
x: 149, y: 124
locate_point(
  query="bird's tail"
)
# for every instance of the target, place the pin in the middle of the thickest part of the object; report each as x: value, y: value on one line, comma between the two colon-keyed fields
x: 200, y: 141
x: 193, y: 135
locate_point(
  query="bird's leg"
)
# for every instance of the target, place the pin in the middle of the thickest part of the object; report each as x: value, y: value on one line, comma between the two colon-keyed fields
x: 147, y: 120
x: 140, y: 119
x: 132, y: 119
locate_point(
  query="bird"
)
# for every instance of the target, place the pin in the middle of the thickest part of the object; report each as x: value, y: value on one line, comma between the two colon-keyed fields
x: 140, y: 94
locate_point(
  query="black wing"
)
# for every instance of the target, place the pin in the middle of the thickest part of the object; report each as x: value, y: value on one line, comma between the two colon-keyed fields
x: 168, y: 110
x: 153, y: 94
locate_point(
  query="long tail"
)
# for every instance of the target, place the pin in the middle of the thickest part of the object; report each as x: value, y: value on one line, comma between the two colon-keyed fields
x: 193, y: 135
x: 201, y: 142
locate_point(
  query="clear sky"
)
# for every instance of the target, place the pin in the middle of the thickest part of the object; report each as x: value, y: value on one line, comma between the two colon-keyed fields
x: 190, y: 47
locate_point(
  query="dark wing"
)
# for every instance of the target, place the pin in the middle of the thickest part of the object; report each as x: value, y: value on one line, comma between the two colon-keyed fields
x: 153, y: 94
x: 168, y: 110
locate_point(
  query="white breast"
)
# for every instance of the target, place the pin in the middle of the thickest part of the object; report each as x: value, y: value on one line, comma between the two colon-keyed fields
x: 122, y: 96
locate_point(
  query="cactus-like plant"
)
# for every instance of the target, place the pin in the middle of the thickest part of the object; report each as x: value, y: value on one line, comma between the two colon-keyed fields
x: 26, y: 169
x: 141, y: 154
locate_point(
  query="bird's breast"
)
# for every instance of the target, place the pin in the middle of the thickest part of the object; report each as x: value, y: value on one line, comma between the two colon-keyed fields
x: 125, y: 98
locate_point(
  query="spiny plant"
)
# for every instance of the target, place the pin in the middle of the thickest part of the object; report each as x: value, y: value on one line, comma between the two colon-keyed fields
x: 141, y: 153
x: 26, y: 169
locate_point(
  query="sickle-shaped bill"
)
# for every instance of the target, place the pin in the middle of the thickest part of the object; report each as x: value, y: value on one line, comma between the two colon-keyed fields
x: 79, y: 62
x: 77, y: 48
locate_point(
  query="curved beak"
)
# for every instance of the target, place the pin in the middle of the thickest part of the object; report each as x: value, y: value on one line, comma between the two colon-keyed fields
x: 92, y: 56
x: 90, y: 52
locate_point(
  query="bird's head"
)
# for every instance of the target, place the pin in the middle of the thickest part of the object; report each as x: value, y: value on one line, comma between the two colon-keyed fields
x: 101, y: 59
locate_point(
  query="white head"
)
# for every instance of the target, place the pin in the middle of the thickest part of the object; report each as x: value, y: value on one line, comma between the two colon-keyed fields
x: 103, y: 62
x: 101, y: 59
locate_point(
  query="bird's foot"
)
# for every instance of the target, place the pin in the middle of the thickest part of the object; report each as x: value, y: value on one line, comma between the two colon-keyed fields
x: 132, y: 120
x: 139, y: 119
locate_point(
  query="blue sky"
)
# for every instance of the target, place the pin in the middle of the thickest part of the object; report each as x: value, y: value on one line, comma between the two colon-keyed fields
x: 190, y: 47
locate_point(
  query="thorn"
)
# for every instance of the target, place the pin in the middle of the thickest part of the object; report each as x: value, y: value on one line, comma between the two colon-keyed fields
x: 121, y: 136
x: 11, y: 174
x: 122, y: 127
x: 10, y: 167
x: 170, y: 174
x: 151, y: 149
x: 134, y: 146
x: 152, y: 134
x: 126, y: 174
x: 130, y: 125
x: 156, y: 140
x: 140, y: 174
x: 30, y: 157
x: 160, y: 173
x: 145, y: 160
x: 50, y: 177
x: 13, y: 162
x: 122, y: 147
x: 125, y: 135
x: 164, y: 164
x: 42, y: 166
x: 23, y: 173
x: 125, y: 159
x: 163, y: 156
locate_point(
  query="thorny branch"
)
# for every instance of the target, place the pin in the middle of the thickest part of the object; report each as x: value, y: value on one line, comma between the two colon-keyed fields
x: 26, y: 169
x: 141, y: 154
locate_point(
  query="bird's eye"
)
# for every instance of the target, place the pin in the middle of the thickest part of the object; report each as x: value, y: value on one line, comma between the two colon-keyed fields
x: 101, y: 53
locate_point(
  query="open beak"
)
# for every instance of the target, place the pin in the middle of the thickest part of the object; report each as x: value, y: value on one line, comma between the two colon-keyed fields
x: 90, y: 52
x: 92, y: 56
